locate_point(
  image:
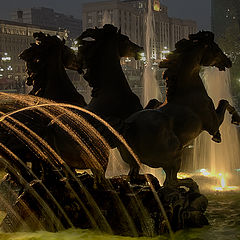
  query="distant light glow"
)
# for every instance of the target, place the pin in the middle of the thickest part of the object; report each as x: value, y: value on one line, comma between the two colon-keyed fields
x: 165, y: 51
x: 6, y: 58
x: 128, y: 60
x: 142, y: 56
x: 182, y: 175
x: 74, y: 48
x: 156, y: 5
x: 205, y: 172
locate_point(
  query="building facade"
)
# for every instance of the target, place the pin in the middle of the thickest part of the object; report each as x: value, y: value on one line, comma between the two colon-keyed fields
x: 14, y: 38
x: 130, y: 16
x: 47, y: 17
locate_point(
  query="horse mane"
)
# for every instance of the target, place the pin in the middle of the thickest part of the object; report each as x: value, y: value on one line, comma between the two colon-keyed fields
x: 35, y: 56
x: 41, y: 46
x: 174, y: 58
x: 91, y: 39
x: 90, y: 43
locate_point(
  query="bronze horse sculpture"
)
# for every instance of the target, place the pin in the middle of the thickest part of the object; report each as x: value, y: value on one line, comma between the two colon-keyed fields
x: 99, y: 53
x: 45, y: 65
x: 159, y: 136
x: 45, y: 62
x: 99, y: 60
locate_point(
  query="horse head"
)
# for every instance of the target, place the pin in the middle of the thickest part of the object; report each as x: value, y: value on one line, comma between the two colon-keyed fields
x: 127, y: 48
x: 97, y: 42
x: 212, y: 55
x: 46, y: 48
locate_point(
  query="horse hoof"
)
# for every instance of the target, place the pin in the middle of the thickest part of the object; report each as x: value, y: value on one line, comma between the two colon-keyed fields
x: 216, y: 140
x: 217, y: 137
x: 235, y: 122
x: 235, y: 119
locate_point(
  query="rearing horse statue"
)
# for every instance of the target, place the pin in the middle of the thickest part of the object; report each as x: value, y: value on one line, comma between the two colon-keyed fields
x: 99, y: 53
x: 159, y: 136
x: 45, y: 62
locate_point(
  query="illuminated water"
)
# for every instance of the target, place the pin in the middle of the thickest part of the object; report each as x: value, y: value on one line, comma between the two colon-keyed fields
x: 151, y: 88
x: 223, y: 214
x: 219, y: 159
x: 92, y: 155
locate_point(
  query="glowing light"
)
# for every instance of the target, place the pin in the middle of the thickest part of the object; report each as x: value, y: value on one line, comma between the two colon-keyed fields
x: 223, y: 183
x: 6, y: 58
x: 205, y: 172
x: 142, y: 56
x: 156, y: 5
x: 224, y: 186
x: 74, y: 48
x: 165, y: 51
x: 182, y: 175
x: 76, y: 42
x: 127, y: 60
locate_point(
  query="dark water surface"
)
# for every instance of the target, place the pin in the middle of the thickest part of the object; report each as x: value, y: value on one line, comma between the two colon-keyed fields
x: 223, y: 214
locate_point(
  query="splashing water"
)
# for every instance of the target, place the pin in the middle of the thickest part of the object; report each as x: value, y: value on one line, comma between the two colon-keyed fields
x: 55, y: 112
x: 106, y: 18
x: 222, y: 159
x: 151, y: 88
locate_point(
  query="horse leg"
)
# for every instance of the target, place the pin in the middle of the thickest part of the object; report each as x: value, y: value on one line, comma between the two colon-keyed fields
x: 222, y: 107
x: 220, y: 111
x: 98, y: 178
x: 172, y: 181
x: 153, y: 104
x: 171, y: 174
x: 235, y: 115
x: 134, y: 172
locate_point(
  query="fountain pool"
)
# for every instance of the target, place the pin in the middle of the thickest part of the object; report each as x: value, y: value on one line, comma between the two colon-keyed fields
x: 223, y: 213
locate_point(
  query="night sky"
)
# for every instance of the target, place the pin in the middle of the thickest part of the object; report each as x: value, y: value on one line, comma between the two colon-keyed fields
x: 198, y: 10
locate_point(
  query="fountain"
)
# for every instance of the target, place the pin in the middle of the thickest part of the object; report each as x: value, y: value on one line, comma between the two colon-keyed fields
x: 41, y: 205
x: 47, y: 187
x: 218, y: 160
x: 151, y: 87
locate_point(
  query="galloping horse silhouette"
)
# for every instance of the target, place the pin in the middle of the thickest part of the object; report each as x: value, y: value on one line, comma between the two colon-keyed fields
x: 159, y: 136
x: 100, y: 52
x: 45, y: 62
